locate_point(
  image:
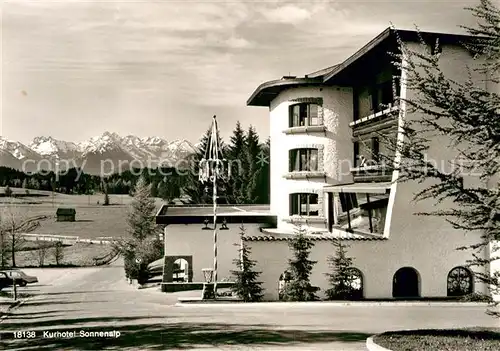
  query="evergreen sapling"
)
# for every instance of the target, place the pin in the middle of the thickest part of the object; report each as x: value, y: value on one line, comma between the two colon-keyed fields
x: 245, y: 277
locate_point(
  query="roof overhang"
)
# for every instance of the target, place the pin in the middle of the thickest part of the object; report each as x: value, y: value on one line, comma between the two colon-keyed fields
x: 389, y: 39
x: 342, y: 74
x: 364, y: 188
x: 268, y: 91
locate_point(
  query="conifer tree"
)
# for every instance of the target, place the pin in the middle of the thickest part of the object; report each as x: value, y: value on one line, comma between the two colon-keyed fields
x: 340, y: 279
x: 251, y: 165
x: 299, y: 288
x: 245, y: 277
x: 141, y: 218
x: 7, y: 191
x: 106, y: 195
x: 144, y: 245
x: 259, y: 187
x: 236, y: 155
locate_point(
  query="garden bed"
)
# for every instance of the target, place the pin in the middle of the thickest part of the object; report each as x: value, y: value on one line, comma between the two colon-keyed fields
x: 472, y: 339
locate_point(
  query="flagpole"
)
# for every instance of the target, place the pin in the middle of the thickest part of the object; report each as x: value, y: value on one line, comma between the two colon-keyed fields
x: 210, y: 171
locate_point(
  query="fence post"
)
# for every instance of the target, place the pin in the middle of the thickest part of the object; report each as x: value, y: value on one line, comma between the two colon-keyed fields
x: 15, y: 288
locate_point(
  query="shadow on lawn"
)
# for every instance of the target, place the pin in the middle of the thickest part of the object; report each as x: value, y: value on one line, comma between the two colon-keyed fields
x: 180, y: 336
x: 75, y: 292
x: 22, y: 315
x: 473, y: 333
x: 70, y: 322
x: 53, y: 302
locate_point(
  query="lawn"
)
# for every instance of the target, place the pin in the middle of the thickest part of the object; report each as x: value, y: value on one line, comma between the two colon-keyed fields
x: 475, y: 339
x: 92, y: 220
x: 78, y: 254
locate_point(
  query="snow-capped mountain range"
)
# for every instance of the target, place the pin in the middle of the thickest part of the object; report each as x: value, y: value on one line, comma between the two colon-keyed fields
x: 109, y: 148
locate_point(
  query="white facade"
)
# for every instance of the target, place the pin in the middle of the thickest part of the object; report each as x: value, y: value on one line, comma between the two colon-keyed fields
x: 333, y: 144
x: 397, y: 238
x: 426, y: 244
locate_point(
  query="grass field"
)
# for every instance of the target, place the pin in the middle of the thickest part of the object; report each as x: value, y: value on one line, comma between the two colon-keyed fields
x: 79, y: 254
x: 92, y: 220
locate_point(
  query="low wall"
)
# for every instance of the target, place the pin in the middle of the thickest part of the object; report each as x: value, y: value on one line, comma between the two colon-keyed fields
x: 191, y: 240
x: 175, y: 287
x: 378, y: 261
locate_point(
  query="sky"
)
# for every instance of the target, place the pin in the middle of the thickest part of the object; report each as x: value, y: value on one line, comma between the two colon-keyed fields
x: 72, y: 69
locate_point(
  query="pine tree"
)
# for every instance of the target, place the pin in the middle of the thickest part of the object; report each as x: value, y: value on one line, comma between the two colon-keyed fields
x: 141, y: 218
x: 260, y: 183
x: 467, y: 114
x: 106, y: 195
x: 246, y: 285
x: 236, y: 155
x: 299, y: 287
x: 7, y: 191
x: 251, y: 165
x: 144, y: 245
x: 340, y: 279
x: 168, y: 189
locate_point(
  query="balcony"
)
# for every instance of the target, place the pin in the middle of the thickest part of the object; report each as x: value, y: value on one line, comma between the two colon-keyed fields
x: 372, y: 173
x: 305, y: 130
x: 305, y: 175
x: 379, y: 120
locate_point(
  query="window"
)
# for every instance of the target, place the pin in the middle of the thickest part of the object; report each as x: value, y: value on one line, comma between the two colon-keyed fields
x: 348, y: 201
x: 459, y: 282
x: 303, y: 160
x: 385, y: 94
x: 303, y: 204
x: 375, y: 149
x: 303, y: 115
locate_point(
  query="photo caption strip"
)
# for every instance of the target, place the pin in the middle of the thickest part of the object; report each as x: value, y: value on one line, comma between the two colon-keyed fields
x: 60, y: 334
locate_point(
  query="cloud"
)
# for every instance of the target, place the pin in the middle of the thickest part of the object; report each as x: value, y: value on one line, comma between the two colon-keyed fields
x: 114, y: 60
x: 290, y: 14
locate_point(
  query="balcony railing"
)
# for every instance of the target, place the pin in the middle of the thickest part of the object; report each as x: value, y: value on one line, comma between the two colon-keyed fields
x: 387, y: 112
x: 372, y: 172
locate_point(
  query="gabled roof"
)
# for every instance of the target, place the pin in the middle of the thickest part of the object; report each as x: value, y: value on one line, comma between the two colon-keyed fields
x: 267, y: 91
x: 65, y: 211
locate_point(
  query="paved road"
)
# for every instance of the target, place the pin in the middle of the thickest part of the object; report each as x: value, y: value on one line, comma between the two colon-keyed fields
x: 99, y: 300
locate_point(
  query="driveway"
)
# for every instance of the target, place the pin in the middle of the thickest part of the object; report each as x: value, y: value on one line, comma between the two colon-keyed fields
x: 99, y: 300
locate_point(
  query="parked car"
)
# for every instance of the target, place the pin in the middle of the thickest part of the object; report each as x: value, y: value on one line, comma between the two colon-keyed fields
x: 22, y: 279
x: 5, y: 281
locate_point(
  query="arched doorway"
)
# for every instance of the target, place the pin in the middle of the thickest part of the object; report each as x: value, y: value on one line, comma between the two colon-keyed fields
x: 459, y: 282
x: 180, y: 270
x: 405, y: 283
x: 283, y: 280
x: 356, y: 284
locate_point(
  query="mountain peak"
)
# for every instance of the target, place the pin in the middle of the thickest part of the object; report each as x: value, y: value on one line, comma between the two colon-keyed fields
x: 149, y: 150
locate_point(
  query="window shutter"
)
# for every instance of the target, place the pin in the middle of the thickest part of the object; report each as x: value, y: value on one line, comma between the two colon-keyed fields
x: 313, y: 160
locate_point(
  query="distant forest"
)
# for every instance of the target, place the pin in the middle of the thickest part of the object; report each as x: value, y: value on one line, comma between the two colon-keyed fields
x: 249, y: 183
